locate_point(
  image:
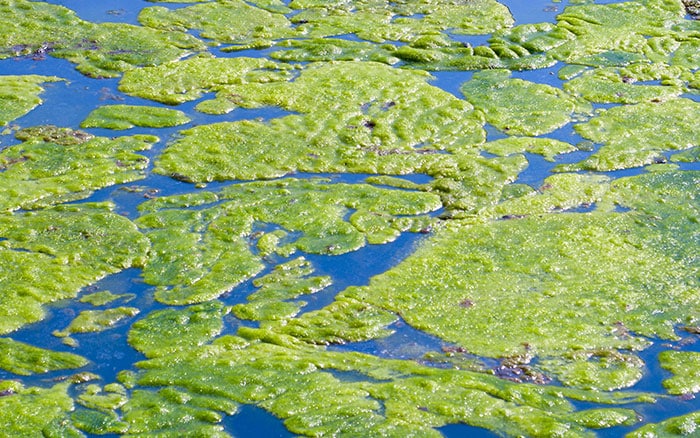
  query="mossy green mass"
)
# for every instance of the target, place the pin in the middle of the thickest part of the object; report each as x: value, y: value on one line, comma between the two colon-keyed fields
x: 538, y: 299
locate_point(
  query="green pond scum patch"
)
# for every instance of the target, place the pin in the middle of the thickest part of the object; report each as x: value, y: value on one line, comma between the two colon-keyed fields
x: 198, y: 255
x: 20, y: 94
x: 537, y: 297
x: 55, y: 165
x: 128, y: 116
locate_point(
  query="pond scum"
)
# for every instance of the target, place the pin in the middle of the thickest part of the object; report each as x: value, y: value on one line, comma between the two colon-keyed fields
x: 547, y: 298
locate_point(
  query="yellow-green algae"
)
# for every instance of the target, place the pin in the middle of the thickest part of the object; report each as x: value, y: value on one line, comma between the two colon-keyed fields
x: 305, y: 387
x: 33, y: 411
x: 104, y: 297
x: 635, y: 135
x: 547, y: 147
x: 683, y: 425
x: 99, y: 50
x: 551, y: 284
x: 20, y: 94
x: 286, y: 282
x: 51, y: 254
x: 685, y: 366
x: 520, y: 107
x: 24, y: 359
x: 258, y: 25
x: 175, y: 330
x: 55, y: 165
x: 205, y: 251
x: 92, y: 321
x: 128, y: 116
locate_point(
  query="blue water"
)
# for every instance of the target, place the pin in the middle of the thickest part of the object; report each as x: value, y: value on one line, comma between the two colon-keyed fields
x: 68, y: 103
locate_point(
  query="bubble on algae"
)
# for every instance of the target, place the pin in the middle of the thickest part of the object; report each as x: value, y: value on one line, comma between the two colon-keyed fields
x: 55, y: 252
x: 99, y: 50
x: 685, y: 366
x: 203, y: 252
x: 635, y: 135
x: 55, y: 165
x: 24, y: 359
x: 20, y: 94
x: 128, y: 116
x: 521, y: 107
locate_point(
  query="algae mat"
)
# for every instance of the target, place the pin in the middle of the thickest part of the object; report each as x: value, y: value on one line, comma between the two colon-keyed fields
x: 357, y: 218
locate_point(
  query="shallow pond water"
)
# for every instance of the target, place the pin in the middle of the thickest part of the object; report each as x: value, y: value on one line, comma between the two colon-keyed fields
x: 338, y: 243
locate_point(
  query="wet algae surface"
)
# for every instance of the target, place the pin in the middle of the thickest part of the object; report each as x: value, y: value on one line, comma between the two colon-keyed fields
x: 355, y: 218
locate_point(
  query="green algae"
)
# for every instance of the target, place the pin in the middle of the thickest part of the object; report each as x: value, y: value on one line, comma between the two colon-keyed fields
x: 128, y: 116
x: 106, y: 398
x: 304, y: 387
x: 174, y: 330
x: 611, y: 278
x: 619, y: 85
x: 33, y: 411
x: 24, y: 359
x: 683, y: 425
x: 213, y: 248
x: 547, y: 147
x: 286, y: 282
x: 684, y: 365
x: 104, y: 297
x: 53, y: 253
x: 20, y: 94
x: 99, y: 50
x: 520, y: 107
x: 636, y: 135
x: 93, y: 321
x: 55, y: 165
x: 603, y: 370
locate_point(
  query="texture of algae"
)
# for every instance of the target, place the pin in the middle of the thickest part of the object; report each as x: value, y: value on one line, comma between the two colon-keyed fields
x: 636, y: 135
x: 24, y: 359
x: 128, y: 116
x: 38, y: 29
x: 49, y: 255
x: 55, y: 165
x: 20, y: 94
x: 199, y: 254
x: 564, y: 281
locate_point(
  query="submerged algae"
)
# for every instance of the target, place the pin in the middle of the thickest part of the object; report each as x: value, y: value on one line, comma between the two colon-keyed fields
x: 20, y: 94
x: 128, y: 116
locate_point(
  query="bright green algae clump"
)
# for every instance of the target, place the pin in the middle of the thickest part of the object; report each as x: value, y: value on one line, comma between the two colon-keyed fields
x: 34, y: 411
x: 635, y: 135
x: 56, y: 165
x: 685, y: 365
x: 128, y: 116
x: 205, y: 252
x: 99, y: 50
x: 521, y: 107
x: 91, y: 321
x: 20, y: 94
x: 24, y: 359
x: 550, y: 284
x: 51, y: 254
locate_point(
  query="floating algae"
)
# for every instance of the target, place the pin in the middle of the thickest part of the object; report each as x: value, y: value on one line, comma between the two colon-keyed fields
x: 91, y: 321
x: 55, y: 165
x: 24, y: 359
x: 32, y: 411
x: 636, y: 135
x: 685, y: 366
x: 104, y: 297
x: 20, y: 94
x: 51, y: 254
x: 205, y: 252
x: 128, y: 116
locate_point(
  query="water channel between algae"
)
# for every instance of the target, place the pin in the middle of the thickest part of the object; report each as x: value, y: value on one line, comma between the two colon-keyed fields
x: 358, y: 218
